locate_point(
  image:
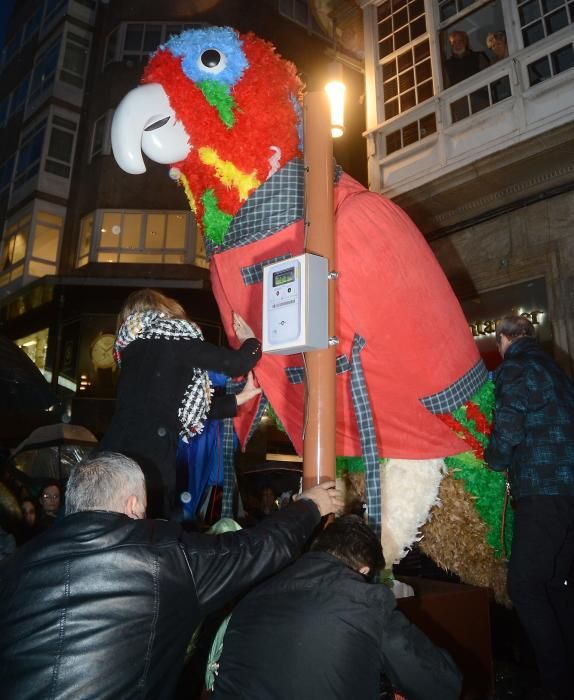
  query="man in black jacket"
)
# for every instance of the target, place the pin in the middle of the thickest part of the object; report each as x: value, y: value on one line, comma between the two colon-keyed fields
x: 104, y: 603
x: 322, y: 630
x: 533, y: 438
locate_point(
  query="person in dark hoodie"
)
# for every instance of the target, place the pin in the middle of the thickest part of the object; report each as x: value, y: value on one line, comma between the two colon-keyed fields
x: 323, y: 628
x: 533, y: 439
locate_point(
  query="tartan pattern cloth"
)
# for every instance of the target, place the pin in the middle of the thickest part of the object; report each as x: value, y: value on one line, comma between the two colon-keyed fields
x: 533, y: 431
x: 229, y: 477
x: 367, y: 435
x: 457, y: 393
x: 296, y: 375
x: 253, y: 274
x: 153, y: 325
x: 278, y: 202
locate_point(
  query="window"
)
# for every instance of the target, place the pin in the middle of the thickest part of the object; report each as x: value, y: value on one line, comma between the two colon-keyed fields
x: 136, y: 42
x: 101, y: 136
x: 6, y: 170
x: 407, y: 79
x: 411, y: 133
x: 548, y: 66
x: 12, y: 47
x: 32, y: 25
x: 404, y: 52
x: 54, y: 8
x: 86, y: 229
x: 111, y: 46
x: 135, y: 237
x: 14, y: 250
x: 541, y: 18
x: 298, y: 11
x: 74, y: 61
x: 480, y: 99
x: 45, y: 244
x: 19, y: 97
x: 399, y: 24
x: 141, y: 40
x: 30, y: 153
x: 45, y: 70
x: 449, y: 8
x: 61, y: 147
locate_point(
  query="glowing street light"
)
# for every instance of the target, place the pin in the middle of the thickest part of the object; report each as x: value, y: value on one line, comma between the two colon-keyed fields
x: 335, y: 89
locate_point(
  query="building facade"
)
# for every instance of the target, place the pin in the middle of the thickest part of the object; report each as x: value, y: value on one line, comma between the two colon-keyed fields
x: 78, y: 234
x: 470, y: 128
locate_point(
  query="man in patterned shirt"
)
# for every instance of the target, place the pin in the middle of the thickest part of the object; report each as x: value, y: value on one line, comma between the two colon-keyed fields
x: 533, y: 438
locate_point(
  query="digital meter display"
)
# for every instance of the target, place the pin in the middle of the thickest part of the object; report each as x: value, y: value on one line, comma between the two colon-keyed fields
x: 283, y: 276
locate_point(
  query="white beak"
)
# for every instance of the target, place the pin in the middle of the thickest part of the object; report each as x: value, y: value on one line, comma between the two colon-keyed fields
x: 144, y: 121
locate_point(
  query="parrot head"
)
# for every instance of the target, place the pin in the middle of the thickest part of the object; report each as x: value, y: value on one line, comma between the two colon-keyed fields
x: 222, y: 109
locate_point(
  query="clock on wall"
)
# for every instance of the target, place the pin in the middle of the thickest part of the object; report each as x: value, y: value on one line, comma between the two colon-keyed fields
x: 102, y: 351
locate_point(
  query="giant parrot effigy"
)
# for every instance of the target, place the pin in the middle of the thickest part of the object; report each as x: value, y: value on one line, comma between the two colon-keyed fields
x: 414, y: 402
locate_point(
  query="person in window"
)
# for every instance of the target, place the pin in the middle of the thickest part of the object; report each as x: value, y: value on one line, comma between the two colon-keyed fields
x: 463, y: 61
x: 164, y: 390
x: 496, y: 42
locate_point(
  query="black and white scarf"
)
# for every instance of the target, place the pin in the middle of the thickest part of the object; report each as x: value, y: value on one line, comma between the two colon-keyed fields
x: 152, y: 325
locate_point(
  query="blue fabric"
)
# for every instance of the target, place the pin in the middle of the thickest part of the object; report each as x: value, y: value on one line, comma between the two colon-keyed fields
x: 203, y: 457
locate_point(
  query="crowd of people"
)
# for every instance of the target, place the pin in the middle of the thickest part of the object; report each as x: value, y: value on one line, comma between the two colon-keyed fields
x: 100, y: 598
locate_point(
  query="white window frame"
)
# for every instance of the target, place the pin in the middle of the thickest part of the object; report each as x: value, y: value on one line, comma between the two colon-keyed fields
x: 95, y: 249
x: 75, y: 39
x: 105, y: 149
x: 39, y: 126
x: 66, y: 123
x: 117, y: 52
x: 40, y: 84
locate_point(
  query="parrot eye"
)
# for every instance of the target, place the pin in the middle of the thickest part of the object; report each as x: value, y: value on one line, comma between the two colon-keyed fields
x: 211, y: 58
x: 157, y: 125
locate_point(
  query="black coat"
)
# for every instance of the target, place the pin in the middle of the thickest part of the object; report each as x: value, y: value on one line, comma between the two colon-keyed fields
x: 320, y: 631
x: 102, y: 606
x: 533, y: 431
x: 154, y: 377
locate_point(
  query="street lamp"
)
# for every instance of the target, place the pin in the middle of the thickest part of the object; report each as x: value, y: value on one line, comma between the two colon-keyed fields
x: 335, y: 89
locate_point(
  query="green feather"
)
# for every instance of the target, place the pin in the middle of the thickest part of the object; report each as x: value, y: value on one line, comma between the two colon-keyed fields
x: 217, y: 94
x: 215, y: 222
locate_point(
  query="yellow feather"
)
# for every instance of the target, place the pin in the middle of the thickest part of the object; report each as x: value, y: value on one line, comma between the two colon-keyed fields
x: 228, y: 173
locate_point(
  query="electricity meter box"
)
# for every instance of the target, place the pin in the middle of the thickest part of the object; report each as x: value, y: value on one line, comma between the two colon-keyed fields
x: 295, y: 305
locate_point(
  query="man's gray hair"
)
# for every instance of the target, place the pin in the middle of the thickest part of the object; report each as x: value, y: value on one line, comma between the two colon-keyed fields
x: 104, y: 482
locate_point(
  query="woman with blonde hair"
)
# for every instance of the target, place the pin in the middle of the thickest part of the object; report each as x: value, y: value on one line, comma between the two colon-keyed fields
x: 164, y: 390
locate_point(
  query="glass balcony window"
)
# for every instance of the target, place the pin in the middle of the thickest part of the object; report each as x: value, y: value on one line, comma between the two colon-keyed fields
x: 482, y: 98
x: 45, y: 70
x: 407, y: 79
x: 548, y: 66
x: 75, y: 60
x: 134, y: 237
x: 30, y: 153
x: 399, y: 23
x: 61, y: 147
x: 410, y: 133
x: 542, y: 18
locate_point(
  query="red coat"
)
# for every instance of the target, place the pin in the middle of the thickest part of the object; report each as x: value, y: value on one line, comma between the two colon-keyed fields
x: 392, y: 291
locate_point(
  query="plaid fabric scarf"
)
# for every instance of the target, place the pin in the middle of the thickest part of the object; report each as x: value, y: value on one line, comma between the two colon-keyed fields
x: 152, y: 325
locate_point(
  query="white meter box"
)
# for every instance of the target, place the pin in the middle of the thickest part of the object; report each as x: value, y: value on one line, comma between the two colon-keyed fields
x: 295, y: 305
